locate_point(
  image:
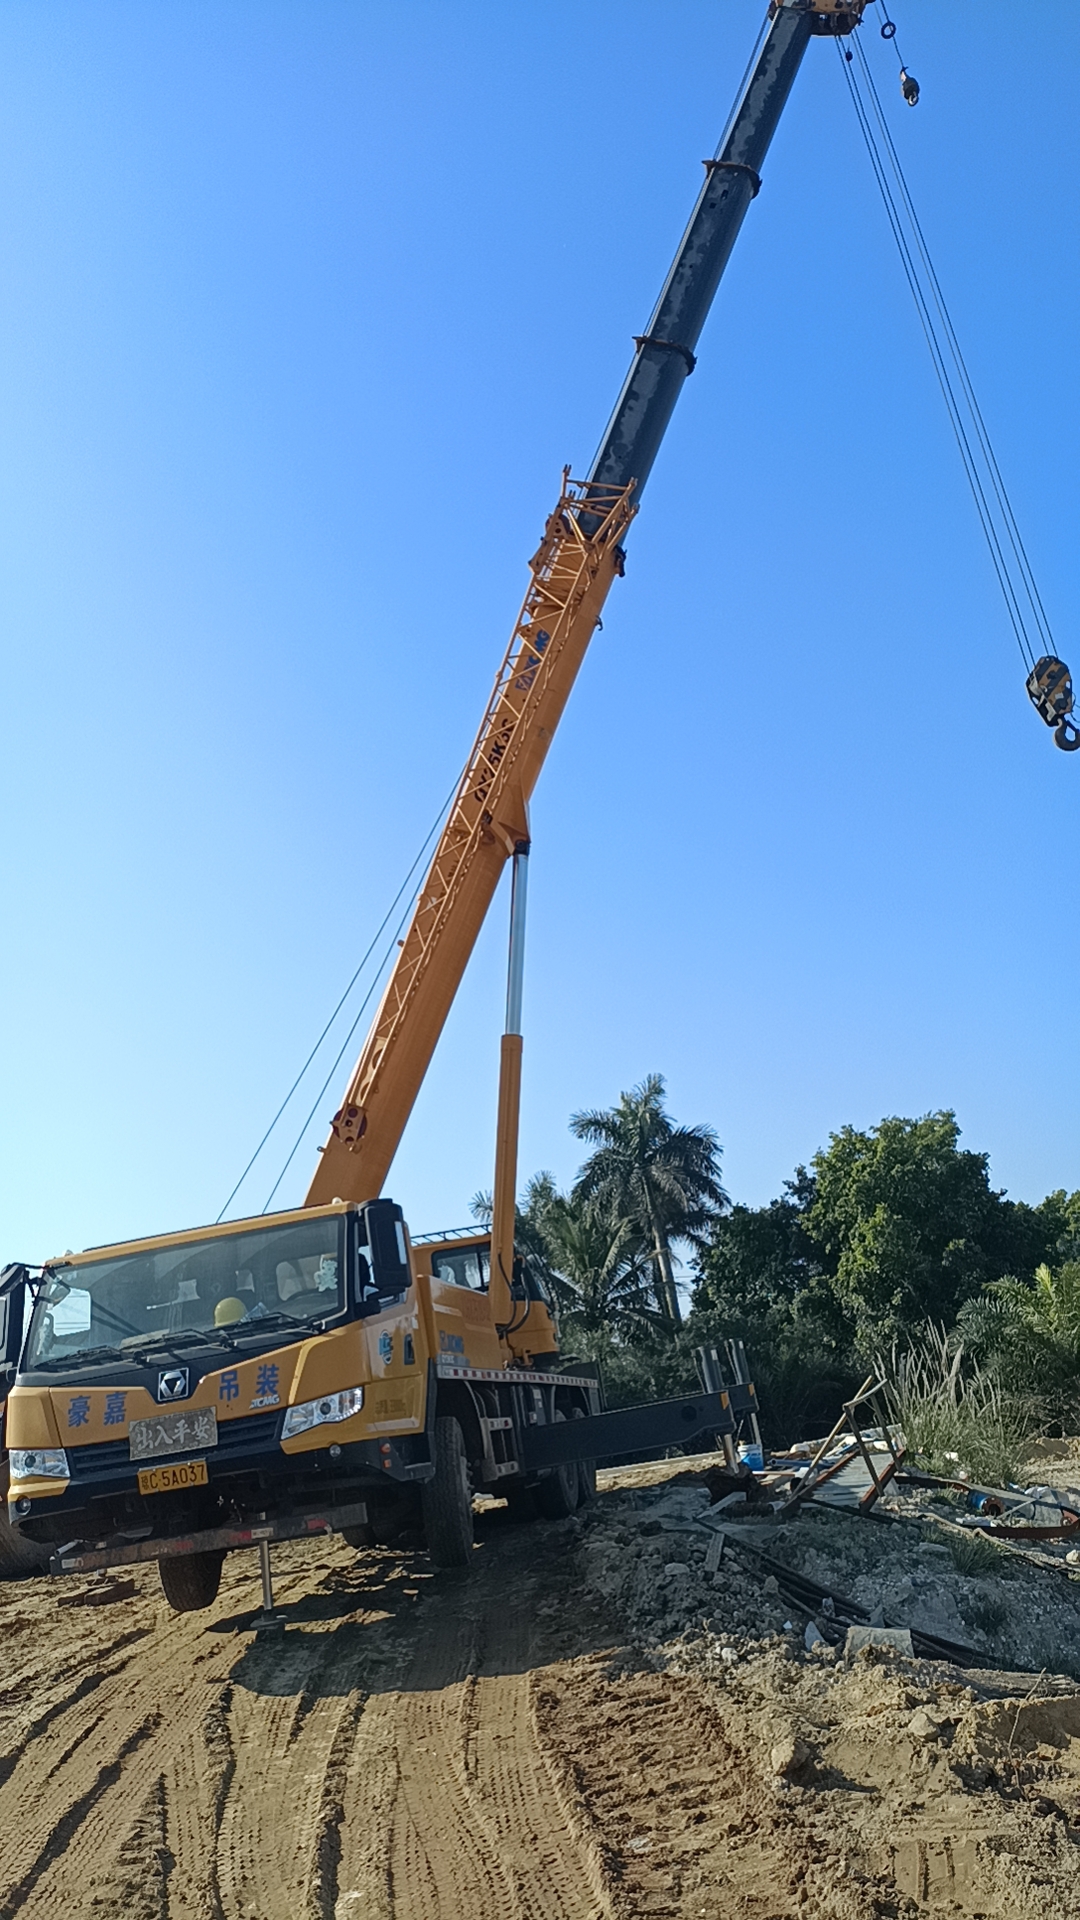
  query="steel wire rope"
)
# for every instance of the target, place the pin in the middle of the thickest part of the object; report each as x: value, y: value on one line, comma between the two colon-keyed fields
x: 997, y: 481
x: 341, y: 1050
x: 380, y: 930
x: 937, y: 355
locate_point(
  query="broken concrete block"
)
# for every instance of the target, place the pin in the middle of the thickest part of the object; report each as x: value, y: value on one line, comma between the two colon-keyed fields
x: 896, y: 1638
x: 714, y: 1552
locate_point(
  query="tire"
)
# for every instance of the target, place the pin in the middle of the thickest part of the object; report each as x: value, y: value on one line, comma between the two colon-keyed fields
x: 19, y: 1555
x: 446, y: 1500
x: 358, y: 1537
x: 191, y: 1580
x: 557, y: 1494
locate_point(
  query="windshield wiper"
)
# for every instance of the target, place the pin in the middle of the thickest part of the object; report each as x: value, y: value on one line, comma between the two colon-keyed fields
x: 254, y: 1323
x: 48, y: 1363
x: 141, y: 1343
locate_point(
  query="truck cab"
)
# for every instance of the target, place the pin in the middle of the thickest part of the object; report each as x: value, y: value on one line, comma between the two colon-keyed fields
x: 286, y: 1374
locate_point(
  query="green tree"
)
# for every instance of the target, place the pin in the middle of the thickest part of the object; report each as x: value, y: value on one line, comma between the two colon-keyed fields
x: 662, y: 1179
x: 759, y: 1280
x: 1059, y: 1214
x: 1027, y: 1335
x: 758, y: 1257
x: 908, y: 1228
x: 601, y: 1274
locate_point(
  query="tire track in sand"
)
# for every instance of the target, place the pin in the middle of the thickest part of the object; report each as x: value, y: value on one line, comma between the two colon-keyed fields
x: 449, y: 1806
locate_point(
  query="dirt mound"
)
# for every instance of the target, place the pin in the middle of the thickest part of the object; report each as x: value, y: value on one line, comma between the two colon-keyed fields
x: 886, y: 1786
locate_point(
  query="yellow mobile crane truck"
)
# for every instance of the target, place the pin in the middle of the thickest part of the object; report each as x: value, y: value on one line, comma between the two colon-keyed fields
x: 315, y: 1369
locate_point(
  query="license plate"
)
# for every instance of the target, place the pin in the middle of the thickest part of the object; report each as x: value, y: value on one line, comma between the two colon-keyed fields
x: 188, y: 1432
x: 174, y: 1478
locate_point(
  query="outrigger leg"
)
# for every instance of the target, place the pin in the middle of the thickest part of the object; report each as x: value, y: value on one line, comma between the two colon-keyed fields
x: 267, y: 1621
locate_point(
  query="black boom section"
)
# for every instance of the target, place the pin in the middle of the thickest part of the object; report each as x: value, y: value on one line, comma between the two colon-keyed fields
x: 628, y: 1430
x: 665, y: 352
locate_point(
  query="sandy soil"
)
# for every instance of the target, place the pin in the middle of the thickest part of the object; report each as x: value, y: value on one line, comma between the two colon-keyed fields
x: 516, y: 1742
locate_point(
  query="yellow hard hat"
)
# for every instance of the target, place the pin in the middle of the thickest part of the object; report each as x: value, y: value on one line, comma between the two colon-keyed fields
x: 229, y: 1310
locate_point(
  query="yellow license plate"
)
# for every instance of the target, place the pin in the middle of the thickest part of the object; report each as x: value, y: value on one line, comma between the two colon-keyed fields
x: 173, y: 1479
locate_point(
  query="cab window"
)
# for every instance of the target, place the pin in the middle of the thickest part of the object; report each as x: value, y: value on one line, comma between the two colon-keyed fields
x: 462, y: 1267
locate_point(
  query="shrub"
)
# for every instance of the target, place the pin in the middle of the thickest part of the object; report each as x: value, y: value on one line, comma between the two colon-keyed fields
x: 955, y: 1417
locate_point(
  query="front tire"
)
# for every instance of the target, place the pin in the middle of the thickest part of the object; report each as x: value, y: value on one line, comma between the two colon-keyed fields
x: 19, y: 1555
x: 446, y: 1499
x: 358, y: 1537
x: 191, y: 1580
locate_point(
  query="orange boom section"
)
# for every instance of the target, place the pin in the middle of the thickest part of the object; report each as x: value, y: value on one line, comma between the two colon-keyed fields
x: 572, y: 572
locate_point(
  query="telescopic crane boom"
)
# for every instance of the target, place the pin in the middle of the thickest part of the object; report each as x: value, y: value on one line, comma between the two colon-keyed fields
x: 578, y: 558
x: 272, y: 1379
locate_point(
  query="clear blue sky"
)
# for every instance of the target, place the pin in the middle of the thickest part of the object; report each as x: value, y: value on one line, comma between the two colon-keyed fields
x: 304, y: 307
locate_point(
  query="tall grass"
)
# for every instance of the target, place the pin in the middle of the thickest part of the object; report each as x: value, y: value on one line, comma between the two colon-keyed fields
x: 952, y: 1415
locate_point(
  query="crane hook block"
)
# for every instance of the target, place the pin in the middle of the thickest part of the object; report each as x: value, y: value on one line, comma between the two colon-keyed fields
x: 909, y: 87
x: 1050, y: 691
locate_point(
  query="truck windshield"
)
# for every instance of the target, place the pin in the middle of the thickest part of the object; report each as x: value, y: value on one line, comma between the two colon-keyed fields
x: 221, y: 1288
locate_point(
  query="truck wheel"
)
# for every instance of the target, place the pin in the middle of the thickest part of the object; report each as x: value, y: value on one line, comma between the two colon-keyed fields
x: 19, y: 1555
x: 446, y: 1500
x: 191, y: 1580
x: 557, y: 1494
x: 358, y: 1536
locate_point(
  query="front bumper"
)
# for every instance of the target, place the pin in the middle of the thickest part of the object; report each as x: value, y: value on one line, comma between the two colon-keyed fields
x: 248, y: 1471
x: 78, y: 1558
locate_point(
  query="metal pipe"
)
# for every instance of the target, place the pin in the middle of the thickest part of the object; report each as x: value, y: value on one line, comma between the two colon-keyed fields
x: 267, y: 1583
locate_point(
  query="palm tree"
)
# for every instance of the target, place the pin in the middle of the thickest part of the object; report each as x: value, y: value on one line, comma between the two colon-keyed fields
x: 599, y: 1270
x: 663, y: 1180
x: 1028, y: 1335
x: 530, y: 1237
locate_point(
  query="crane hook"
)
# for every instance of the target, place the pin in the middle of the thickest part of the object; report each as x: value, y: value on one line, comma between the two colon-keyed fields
x: 909, y: 87
x: 1050, y: 690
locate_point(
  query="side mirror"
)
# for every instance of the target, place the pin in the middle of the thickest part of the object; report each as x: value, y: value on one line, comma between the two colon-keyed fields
x: 13, y: 1276
x: 388, y: 1255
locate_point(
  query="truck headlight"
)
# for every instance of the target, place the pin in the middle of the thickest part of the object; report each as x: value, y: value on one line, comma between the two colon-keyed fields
x: 39, y: 1463
x: 322, y: 1413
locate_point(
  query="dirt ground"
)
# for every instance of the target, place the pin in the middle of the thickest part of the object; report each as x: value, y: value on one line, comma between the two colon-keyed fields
x: 588, y: 1726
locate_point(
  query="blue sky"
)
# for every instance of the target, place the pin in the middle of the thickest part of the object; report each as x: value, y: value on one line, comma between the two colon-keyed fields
x: 305, y: 306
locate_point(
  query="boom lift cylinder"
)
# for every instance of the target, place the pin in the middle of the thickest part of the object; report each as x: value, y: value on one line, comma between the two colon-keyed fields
x: 504, y: 1199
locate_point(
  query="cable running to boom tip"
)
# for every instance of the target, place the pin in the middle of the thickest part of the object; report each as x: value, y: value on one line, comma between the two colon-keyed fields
x: 1049, y: 684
